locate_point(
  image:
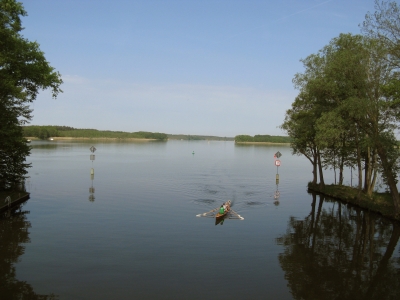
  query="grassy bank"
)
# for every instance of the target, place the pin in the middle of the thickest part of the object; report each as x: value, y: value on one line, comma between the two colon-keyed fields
x: 379, y: 202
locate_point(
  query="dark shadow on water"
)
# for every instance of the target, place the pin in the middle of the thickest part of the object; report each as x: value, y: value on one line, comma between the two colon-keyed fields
x: 205, y: 201
x: 254, y: 203
x: 13, y: 235
x: 340, y: 252
x: 249, y: 193
x: 220, y: 221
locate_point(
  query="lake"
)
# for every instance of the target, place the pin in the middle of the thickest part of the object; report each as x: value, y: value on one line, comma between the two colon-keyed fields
x: 131, y: 231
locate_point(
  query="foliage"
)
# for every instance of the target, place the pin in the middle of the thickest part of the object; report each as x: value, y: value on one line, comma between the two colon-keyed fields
x: 24, y: 71
x: 384, y: 25
x: 243, y: 138
x: 13, y: 149
x: 261, y: 139
x: 44, y: 132
x: 347, y: 110
x: 271, y: 139
x: 198, y: 137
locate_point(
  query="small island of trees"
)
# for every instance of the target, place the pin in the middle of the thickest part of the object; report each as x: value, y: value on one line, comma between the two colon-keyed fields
x: 348, y: 108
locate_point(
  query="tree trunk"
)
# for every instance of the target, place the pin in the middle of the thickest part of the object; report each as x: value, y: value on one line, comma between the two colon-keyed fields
x: 341, y: 162
x: 367, y: 171
x: 314, y: 163
x: 315, y: 176
x: 359, y: 167
x: 321, y: 175
x: 341, y: 166
x: 373, y: 182
x: 390, y: 178
x: 374, y: 173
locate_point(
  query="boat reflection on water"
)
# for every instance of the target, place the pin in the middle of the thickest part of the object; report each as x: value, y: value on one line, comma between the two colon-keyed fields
x: 221, y: 220
x: 341, y: 252
x: 13, y: 235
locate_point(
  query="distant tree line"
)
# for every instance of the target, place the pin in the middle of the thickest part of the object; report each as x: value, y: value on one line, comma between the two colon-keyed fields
x: 189, y: 137
x: 348, y: 106
x: 45, y: 132
x: 262, y: 139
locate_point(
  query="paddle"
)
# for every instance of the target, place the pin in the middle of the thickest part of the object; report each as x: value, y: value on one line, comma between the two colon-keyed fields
x: 204, y: 214
x: 239, y: 216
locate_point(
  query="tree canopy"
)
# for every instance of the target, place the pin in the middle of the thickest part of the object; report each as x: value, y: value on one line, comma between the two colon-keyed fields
x: 348, y: 105
x: 24, y: 72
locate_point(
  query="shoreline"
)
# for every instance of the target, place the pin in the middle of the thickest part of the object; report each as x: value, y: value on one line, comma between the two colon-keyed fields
x: 262, y: 143
x: 380, y: 203
x: 62, y: 138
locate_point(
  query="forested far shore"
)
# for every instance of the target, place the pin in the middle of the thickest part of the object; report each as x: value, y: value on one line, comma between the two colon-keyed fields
x: 190, y: 137
x: 46, y: 132
x: 262, y: 139
x: 54, y: 131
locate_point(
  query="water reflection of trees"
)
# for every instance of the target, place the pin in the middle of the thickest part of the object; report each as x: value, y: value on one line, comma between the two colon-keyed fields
x: 13, y: 234
x: 341, y: 252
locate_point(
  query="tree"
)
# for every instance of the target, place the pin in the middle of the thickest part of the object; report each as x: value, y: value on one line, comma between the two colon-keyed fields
x: 349, y: 96
x: 384, y: 25
x: 299, y: 124
x: 357, y: 70
x: 24, y: 71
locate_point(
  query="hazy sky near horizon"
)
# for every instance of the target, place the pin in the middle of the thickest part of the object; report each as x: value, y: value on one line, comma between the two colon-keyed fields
x: 181, y: 67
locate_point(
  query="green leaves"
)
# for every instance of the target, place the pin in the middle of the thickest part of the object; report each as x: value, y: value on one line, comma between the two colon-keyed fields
x: 24, y: 71
x: 347, y: 108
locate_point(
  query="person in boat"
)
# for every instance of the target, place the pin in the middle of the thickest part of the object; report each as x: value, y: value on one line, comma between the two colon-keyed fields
x: 222, y: 210
x: 226, y: 206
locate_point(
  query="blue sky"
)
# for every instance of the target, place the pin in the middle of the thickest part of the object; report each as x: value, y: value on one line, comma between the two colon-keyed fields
x: 181, y: 67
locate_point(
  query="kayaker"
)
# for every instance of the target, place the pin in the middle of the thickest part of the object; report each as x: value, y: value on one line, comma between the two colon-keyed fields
x: 226, y: 207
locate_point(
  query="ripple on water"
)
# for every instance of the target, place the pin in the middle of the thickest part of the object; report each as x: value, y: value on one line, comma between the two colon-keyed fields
x: 253, y: 203
x: 205, y: 201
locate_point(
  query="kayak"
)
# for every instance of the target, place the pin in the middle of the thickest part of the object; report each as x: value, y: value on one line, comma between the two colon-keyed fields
x: 228, y: 205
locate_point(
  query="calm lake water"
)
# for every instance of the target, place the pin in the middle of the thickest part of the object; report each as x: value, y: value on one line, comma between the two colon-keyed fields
x: 131, y: 231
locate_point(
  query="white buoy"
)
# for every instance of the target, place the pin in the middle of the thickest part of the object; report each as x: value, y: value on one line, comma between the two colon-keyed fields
x: 91, y: 171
